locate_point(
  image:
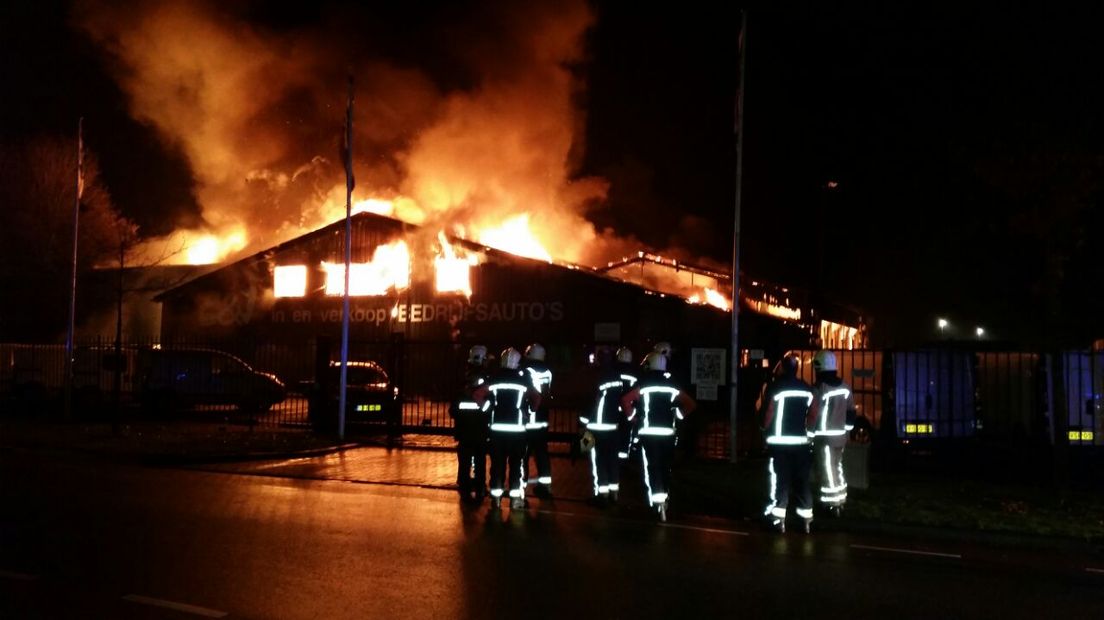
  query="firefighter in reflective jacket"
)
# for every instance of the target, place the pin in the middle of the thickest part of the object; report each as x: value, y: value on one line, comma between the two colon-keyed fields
x: 604, y: 423
x: 833, y: 418
x: 627, y: 373
x: 786, y: 418
x: 661, y: 404
x: 470, y: 430
x: 507, y: 396
x: 536, y: 426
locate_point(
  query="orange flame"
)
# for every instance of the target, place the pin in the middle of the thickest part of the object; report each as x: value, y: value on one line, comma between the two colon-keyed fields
x: 289, y: 281
x: 379, y: 206
x: 716, y: 299
x: 712, y: 297
x: 388, y: 270
x: 191, y: 247
x: 514, y: 236
x: 453, y: 272
x: 210, y: 249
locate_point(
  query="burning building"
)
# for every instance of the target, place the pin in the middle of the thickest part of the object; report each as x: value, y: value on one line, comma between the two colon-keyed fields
x: 421, y: 285
x: 419, y: 298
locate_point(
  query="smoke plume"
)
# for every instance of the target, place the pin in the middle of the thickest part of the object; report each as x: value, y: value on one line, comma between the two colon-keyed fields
x: 491, y: 132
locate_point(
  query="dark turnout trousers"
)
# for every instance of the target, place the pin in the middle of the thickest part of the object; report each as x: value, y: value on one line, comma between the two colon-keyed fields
x: 656, y: 453
x: 507, y: 463
x: 604, y: 465
x: 788, y: 471
x: 471, y: 464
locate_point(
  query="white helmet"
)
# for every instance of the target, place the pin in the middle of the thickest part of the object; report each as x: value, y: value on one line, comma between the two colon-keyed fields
x: 663, y: 348
x: 534, y: 352
x: 477, y: 355
x: 824, y: 361
x: 655, y: 361
x: 624, y: 354
x: 509, y: 358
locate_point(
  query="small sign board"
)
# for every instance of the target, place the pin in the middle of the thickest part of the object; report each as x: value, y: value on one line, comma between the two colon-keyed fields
x: 707, y: 366
x: 706, y: 392
x: 607, y: 332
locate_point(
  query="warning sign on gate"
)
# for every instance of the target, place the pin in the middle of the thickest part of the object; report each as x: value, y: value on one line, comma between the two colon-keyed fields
x: 706, y: 392
x: 707, y: 366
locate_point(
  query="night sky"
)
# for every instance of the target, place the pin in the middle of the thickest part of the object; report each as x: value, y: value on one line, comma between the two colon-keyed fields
x: 952, y: 135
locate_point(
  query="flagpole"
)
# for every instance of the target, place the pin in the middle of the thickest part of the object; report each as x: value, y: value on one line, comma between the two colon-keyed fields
x: 70, y: 325
x: 349, y: 183
x: 734, y: 357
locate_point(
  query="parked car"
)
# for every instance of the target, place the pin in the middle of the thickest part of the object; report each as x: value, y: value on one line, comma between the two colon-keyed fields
x: 190, y: 377
x: 369, y: 396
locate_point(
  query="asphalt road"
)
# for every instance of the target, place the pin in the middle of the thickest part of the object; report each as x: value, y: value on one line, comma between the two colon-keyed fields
x: 82, y: 537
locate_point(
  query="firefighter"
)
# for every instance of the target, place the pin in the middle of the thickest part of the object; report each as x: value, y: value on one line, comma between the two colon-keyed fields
x: 833, y: 418
x: 507, y: 396
x: 660, y: 404
x: 470, y: 429
x: 536, y: 427
x: 628, y: 375
x: 604, y: 424
x: 664, y: 349
x: 786, y: 411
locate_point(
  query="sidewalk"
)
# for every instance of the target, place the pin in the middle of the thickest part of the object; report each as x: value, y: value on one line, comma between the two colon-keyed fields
x: 164, y: 441
x: 921, y: 506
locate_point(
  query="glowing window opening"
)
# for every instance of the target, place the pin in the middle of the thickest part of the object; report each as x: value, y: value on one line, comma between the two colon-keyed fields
x: 289, y: 281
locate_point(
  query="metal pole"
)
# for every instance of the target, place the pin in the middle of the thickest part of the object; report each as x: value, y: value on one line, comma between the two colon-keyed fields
x: 734, y: 356
x: 117, y: 375
x: 350, y: 182
x: 70, y: 327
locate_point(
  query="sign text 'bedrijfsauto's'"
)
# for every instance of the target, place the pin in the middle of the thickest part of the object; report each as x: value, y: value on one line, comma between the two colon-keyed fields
x: 428, y: 313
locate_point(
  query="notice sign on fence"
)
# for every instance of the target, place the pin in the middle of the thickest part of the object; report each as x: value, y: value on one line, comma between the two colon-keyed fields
x: 707, y: 366
x: 706, y: 392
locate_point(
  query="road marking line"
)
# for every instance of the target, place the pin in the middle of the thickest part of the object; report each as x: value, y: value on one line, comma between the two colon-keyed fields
x: 910, y: 551
x: 184, y: 607
x: 20, y: 576
x: 1094, y: 570
x: 704, y: 529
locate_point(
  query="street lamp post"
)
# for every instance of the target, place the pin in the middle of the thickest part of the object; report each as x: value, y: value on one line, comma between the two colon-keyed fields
x: 734, y: 343
x: 943, y: 327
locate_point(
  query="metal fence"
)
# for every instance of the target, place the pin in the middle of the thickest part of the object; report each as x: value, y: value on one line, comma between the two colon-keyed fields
x: 946, y: 394
x: 911, y: 398
x: 231, y: 380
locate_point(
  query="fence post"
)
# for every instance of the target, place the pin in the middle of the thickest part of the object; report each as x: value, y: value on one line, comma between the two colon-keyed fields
x: 1060, y: 417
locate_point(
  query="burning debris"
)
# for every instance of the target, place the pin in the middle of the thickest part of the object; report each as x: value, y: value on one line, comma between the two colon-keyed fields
x: 712, y: 297
x: 698, y: 284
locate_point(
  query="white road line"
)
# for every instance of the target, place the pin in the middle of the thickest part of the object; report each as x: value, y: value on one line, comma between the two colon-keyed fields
x: 1094, y: 570
x: 955, y: 556
x: 704, y: 529
x: 184, y: 607
x: 7, y: 574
